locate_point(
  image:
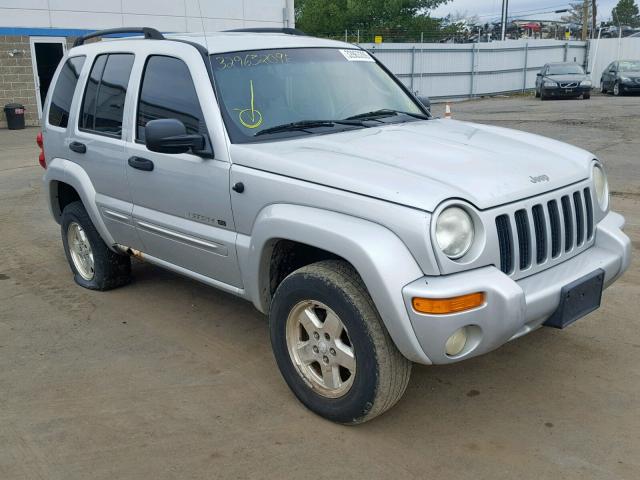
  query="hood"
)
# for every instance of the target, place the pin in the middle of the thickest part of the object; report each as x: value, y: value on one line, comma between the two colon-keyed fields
x: 574, y: 77
x: 633, y: 75
x: 420, y: 164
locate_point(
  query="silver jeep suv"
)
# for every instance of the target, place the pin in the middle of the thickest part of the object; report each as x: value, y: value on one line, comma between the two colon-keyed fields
x: 299, y: 174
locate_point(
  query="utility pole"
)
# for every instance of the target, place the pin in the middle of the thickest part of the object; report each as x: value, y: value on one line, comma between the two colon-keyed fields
x: 585, y: 19
x: 594, y: 17
x: 505, y: 16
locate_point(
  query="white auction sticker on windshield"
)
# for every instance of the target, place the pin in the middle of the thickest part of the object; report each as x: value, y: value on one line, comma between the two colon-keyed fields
x: 357, y: 56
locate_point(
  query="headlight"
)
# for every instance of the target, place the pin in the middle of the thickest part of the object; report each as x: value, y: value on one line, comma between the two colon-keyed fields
x: 454, y: 232
x: 625, y: 79
x: 602, y: 187
x: 550, y: 83
x: 586, y: 83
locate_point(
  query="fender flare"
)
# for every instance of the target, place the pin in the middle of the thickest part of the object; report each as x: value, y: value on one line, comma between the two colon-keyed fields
x: 64, y: 171
x: 380, y: 257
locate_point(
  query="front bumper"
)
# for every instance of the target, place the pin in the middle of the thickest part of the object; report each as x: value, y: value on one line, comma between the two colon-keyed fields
x: 630, y: 87
x: 512, y: 308
x: 564, y: 92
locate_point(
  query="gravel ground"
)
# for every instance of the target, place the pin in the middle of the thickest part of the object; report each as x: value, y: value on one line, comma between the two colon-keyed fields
x: 167, y: 378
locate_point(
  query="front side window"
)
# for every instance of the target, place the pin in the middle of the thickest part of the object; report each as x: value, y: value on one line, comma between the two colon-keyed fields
x: 262, y: 89
x: 168, y: 92
x: 63, y: 93
x: 103, y: 103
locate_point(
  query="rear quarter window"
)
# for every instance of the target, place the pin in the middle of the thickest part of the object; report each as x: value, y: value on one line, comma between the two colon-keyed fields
x: 63, y: 92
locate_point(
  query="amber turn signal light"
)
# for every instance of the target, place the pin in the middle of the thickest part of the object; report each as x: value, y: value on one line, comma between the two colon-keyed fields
x: 441, y: 306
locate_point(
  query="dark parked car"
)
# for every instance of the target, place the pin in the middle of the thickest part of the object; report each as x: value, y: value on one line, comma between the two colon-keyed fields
x: 566, y: 80
x: 621, y: 77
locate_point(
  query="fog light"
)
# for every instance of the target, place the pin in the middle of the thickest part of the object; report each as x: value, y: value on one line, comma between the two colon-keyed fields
x: 456, y: 342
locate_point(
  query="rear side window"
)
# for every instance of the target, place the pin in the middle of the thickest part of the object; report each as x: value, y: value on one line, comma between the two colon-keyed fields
x: 168, y: 92
x: 103, y: 103
x: 63, y: 92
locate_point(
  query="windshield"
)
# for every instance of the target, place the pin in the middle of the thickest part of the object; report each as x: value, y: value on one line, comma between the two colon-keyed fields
x: 629, y: 66
x: 262, y: 89
x: 565, y: 70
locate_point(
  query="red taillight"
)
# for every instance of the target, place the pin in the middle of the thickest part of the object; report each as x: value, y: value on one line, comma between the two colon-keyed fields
x: 41, y: 158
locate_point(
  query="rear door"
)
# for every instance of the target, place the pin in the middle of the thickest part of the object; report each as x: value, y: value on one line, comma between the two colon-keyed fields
x: 182, y: 208
x: 96, y: 141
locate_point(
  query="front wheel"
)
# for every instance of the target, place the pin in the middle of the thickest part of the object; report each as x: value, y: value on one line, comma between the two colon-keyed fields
x: 616, y: 89
x: 603, y: 89
x: 331, y: 346
x: 93, y: 264
x: 586, y: 96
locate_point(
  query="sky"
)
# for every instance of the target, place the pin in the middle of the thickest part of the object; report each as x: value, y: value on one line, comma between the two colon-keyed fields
x: 533, y: 9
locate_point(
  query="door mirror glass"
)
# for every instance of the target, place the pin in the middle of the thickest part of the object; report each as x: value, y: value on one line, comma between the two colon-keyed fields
x: 539, y: 74
x: 169, y: 135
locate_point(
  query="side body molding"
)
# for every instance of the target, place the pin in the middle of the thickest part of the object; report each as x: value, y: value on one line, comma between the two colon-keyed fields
x: 380, y: 257
x: 73, y: 174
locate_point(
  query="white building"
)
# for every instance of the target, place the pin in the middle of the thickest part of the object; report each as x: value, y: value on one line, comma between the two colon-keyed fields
x: 34, y: 34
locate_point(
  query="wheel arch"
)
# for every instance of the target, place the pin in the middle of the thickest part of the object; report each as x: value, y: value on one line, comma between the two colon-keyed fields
x: 380, y: 258
x: 66, y: 182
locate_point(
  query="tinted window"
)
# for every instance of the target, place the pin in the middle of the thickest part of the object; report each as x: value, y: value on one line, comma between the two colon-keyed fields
x: 103, y: 103
x: 168, y: 92
x: 63, y: 93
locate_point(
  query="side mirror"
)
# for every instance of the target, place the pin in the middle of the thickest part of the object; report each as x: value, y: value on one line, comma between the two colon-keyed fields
x: 539, y: 74
x: 169, y: 135
x: 425, y: 101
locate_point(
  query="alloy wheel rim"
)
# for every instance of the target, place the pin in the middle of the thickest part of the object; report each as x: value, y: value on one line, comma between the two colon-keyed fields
x: 320, y: 348
x: 80, y: 250
x: 616, y: 89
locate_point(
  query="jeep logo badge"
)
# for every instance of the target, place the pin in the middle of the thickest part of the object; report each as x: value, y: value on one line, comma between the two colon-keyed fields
x: 538, y: 179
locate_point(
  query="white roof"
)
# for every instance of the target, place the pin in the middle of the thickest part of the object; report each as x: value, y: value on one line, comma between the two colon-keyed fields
x: 220, y: 42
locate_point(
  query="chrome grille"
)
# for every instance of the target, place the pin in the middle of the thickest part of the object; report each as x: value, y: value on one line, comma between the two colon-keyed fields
x: 568, y: 84
x: 545, y: 231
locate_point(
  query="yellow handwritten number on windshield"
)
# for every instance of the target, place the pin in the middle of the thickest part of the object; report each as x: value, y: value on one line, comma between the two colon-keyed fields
x: 250, y: 117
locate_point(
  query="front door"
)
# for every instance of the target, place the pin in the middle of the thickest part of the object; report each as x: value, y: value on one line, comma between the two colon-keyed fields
x: 182, y: 206
x: 46, y: 53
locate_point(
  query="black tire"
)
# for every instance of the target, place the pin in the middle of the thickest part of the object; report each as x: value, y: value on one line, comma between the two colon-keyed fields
x: 110, y: 270
x: 382, y: 372
x: 543, y: 97
x: 537, y: 93
x: 603, y: 89
x: 586, y: 96
x: 616, y: 88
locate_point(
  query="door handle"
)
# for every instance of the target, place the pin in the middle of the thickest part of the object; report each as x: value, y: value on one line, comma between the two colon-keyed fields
x: 78, y: 147
x: 140, y: 163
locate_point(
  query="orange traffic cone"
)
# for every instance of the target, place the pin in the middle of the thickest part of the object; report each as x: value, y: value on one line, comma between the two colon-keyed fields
x: 447, y: 111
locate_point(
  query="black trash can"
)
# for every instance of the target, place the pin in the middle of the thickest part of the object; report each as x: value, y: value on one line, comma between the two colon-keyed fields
x: 15, y: 116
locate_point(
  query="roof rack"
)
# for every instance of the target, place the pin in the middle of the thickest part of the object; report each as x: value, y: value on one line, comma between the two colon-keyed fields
x: 149, y: 33
x: 287, y: 31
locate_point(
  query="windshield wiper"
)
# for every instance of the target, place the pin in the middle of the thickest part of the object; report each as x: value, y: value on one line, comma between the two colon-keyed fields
x: 305, y: 124
x: 385, y: 112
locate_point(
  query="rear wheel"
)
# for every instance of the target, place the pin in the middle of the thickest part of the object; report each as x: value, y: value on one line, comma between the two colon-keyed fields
x: 331, y: 346
x: 93, y: 264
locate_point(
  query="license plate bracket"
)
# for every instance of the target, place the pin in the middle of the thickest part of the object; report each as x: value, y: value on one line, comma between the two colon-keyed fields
x: 578, y: 299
